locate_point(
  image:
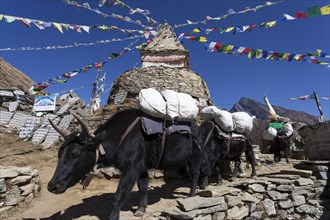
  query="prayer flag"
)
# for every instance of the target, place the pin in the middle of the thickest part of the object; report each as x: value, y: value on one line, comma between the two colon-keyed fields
x: 301, y: 15
x: 314, y: 11
x: 270, y: 24
x: 287, y: 17
x: 318, y: 52
x: 325, y: 10
x: 58, y: 27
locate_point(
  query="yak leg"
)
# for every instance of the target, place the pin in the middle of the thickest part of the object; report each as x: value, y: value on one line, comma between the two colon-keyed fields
x: 236, y: 167
x: 218, y: 175
x: 142, y: 183
x: 286, y: 152
x: 249, y: 154
x: 195, y: 166
x: 125, y: 186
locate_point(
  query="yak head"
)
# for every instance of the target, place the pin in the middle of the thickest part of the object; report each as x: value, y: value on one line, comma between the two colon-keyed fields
x: 76, y: 157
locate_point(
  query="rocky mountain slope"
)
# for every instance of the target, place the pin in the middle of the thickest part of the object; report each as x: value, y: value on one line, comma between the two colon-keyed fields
x: 11, y: 77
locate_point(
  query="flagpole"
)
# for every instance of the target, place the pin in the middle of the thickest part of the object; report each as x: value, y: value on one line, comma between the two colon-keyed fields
x: 319, y: 107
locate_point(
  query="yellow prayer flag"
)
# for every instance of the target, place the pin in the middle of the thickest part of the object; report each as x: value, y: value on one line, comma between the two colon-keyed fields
x: 229, y: 29
x: 202, y: 39
x: 285, y: 56
x: 196, y: 30
x: 1, y: 16
x: 58, y: 27
x: 258, y: 53
x: 325, y: 10
x: 318, y: 52
x: 229, y: 49
x: 270, y: 24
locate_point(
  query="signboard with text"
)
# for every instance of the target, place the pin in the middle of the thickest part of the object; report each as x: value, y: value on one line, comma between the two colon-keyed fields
x: 44, y: 103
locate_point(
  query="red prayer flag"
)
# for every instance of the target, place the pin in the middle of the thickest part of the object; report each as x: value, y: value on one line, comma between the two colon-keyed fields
x: 301, y: 14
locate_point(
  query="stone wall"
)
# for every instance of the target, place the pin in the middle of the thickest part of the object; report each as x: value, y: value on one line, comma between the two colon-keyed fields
x: 18, y: 186
x: 284, y: 195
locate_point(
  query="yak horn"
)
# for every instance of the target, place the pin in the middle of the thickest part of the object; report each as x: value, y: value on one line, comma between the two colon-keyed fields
x: 84, y: 128
x: 62, y: 131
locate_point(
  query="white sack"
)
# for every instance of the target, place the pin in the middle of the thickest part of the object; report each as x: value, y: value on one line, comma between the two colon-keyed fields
x: 152, y: 103
x: 243, y: 122
x: 269, y: 134
x: 225, y: 120
x: 287, y: 129
x: 209, y: 112
x: 187, y: 108
x: 172, y: 103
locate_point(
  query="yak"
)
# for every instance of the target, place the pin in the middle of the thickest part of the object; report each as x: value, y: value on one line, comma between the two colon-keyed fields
x: 219, y: 146
x: 129, y: 148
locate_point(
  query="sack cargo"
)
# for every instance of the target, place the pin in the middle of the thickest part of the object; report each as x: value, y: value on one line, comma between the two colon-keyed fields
x: 277, y: 125
x: 168, y: 105
x: 225, y: 120
x: 287, y: 130
x: 151, y: 102
x: 209, y: 112
x: 187, y: 108
x: 172, y: 103
x: 243, y: 122
x: 269, y: 134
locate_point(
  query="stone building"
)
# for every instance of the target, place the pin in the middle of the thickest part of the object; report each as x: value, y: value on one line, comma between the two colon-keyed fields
x: 165, y: 65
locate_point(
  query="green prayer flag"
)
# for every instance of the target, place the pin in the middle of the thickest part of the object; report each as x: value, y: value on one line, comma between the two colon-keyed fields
x: 314, y: 11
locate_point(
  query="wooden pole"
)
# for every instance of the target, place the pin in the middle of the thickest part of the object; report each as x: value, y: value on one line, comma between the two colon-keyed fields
x: 319, y: 107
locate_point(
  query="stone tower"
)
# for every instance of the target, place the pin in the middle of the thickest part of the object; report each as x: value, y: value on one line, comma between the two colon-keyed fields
x: 165, y: 65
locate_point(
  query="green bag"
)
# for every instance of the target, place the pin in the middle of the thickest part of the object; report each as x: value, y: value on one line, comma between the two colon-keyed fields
x: 277, y: 125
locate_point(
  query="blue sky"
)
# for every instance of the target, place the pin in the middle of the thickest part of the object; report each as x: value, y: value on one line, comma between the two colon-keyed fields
x: 228, y: 77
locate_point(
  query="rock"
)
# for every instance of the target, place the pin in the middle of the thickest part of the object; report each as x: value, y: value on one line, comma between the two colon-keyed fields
x: 176, y: 213
x: 20, y: 180
x: 285, y: 188
x: 247, y: 197
x: 298, y: 200
x: 303, y: 173
x: 218, y: 191
x: 219, y: 216
x: 196, y: 202
x: 285, y: 204
x: 257, y: 188
x: 308, y: 209
x: 233, y: 201
x: 13, y: 106
x: 12, y: 196
x: 269, y: 207
x: 7, y: 173
x: 27, y: 189
x: 277, y: 195
x: 3, y: 187
x: 303, y: 182
x: 317, y: 141
x: 238, y: 213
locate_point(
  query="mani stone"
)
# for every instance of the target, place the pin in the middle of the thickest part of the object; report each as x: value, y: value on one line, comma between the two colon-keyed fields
x: 5, y: 117
x: 39, y: 135
x: 18, y: 120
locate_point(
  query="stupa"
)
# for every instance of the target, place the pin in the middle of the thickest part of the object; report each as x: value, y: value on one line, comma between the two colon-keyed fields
x: 165, y: 65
